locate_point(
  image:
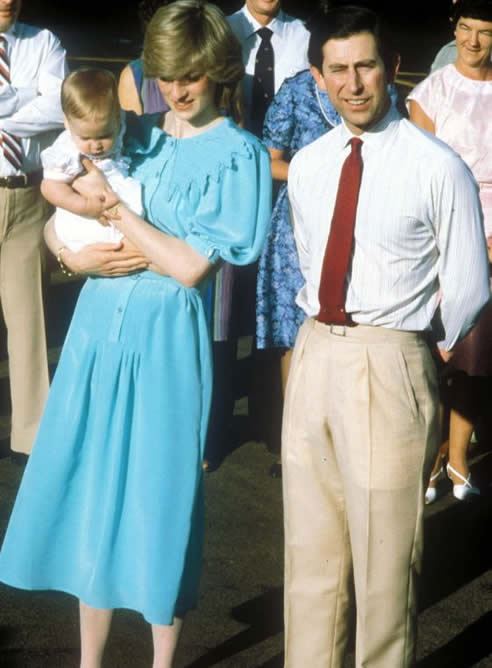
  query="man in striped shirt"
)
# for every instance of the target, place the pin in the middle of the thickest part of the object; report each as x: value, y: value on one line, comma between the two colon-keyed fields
x: 32, y: 68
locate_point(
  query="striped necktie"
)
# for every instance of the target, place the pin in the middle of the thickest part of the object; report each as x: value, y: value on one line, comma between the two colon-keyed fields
x: 11, y: 145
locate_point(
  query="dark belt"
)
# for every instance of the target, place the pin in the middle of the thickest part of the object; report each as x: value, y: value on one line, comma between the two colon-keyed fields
x: 22, y: 180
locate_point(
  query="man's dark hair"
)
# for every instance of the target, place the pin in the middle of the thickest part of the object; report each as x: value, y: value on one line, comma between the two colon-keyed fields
x: 344, y: 21
x: 472, y: 9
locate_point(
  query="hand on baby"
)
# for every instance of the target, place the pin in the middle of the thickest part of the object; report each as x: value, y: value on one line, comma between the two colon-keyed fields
x: 95, y: 206
x: 96, y: 190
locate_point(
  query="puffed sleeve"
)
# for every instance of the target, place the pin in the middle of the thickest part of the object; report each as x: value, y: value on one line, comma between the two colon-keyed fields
x: 280, y: 119
x: 60, y: 161
x: 233, y: 213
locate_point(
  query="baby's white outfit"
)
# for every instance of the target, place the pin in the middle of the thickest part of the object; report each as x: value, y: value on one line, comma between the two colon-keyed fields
x: 62, y: 162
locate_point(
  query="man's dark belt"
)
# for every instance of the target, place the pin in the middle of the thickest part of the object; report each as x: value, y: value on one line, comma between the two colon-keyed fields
x: 22, y: 180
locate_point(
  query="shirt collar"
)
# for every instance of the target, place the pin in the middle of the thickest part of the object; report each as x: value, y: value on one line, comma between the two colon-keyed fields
x: 378, y: 134
x: 275, y: 25
x: 10, y: 34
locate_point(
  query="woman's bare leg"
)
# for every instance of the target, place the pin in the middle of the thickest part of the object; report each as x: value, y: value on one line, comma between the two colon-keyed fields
x: 165, y: 640
x: 94, y: 629
x: 460, y: 431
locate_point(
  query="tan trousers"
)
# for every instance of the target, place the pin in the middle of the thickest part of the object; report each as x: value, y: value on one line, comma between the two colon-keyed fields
x: 360, y: 433
x: 23, y: 213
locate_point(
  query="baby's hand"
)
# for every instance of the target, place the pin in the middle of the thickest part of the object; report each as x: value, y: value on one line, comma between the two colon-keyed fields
x: 94, y: 206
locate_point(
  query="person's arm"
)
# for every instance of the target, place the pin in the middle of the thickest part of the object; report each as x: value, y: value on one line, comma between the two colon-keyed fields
x: 103, y: 259
x: 280, y: 166
x: 278, y: 129
x: 63, y: 195
x: 460, y: 238
x: 168, y: 255
x: 127, y: 93
x: 27, y: 115
x: 419, y: 117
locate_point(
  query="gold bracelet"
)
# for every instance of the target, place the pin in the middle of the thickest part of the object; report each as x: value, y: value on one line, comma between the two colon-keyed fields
x: 62, y: 265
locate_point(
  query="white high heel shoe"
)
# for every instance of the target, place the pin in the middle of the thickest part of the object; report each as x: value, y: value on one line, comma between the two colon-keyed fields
x: 431, y: 492
x: 462, y: 491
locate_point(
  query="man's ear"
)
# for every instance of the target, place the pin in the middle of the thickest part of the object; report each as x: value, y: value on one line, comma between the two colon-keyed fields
x: 394, y: 68
x: 318, y: 77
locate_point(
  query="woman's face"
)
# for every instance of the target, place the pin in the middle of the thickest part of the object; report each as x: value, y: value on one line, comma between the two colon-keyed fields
x: 474, y: 41
x: 192, y: 99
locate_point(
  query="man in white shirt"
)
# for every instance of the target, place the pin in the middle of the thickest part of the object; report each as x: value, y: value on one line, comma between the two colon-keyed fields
x: 32, y: 68
x: 289, y: 42
x: 360, y: 425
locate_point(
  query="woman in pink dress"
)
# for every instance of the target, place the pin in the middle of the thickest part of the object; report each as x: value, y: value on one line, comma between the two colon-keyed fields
x: 455, y: 104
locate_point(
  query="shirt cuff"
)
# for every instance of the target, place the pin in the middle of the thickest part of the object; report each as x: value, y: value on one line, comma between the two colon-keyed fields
x: 203, y: 246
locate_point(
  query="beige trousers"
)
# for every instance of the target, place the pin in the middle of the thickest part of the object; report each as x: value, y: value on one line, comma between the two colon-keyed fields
x: 23, y: 213
x: 360, y: 434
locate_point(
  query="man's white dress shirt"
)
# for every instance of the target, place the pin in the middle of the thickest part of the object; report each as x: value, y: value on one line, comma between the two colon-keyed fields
x: 419, y: 236
x: 30, y: 106
x: 289, y: 42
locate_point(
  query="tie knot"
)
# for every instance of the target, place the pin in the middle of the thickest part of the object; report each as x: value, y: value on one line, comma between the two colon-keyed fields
x: 265, y: 34
x: 355, y: 144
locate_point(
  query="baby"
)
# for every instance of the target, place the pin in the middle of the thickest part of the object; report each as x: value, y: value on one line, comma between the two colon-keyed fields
x: 95, y: 127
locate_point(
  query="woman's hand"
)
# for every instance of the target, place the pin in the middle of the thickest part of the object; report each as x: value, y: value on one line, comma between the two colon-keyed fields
x: 94, y: 186
x: 103, y: 259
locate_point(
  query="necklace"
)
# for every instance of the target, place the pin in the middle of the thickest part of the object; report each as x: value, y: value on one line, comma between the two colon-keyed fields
x: 322, y: 108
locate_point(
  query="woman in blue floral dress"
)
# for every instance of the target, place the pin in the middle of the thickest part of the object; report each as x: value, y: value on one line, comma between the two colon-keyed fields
x: 300, y: 113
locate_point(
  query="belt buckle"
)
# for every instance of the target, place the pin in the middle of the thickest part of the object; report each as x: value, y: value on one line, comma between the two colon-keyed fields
x: 338, y: 330
x: 16, y: 181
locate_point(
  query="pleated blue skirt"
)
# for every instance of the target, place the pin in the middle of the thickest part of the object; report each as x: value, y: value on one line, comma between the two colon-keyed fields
x: 110, y: 507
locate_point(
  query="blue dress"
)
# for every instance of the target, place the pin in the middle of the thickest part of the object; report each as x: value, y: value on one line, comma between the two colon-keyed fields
x: 110, y: 505
x: 298, y: 114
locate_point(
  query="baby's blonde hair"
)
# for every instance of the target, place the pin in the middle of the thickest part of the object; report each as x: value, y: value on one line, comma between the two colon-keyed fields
x: 90, y: 92
x: 192, y: 37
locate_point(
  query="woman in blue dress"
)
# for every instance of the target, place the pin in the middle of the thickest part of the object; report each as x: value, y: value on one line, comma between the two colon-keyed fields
x: 299, y: 113
x: 110, y: 506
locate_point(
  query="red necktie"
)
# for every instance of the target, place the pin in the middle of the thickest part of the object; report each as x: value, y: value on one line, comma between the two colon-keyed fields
x: 11, y: 145
x: 339, y: 246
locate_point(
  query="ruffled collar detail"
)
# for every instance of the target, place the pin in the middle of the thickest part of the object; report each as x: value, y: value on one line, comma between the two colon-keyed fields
x: 190, y: 164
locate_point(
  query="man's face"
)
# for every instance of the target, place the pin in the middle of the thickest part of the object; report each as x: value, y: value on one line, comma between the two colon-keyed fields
x: 263, y: 10
x: 9, y: 11
x: 354, y: 76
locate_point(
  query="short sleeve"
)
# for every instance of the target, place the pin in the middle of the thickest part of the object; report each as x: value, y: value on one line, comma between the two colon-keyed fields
x: 233, y: 214
x: 59, y: 161
x: 425, y: 94
x: 280, y: 119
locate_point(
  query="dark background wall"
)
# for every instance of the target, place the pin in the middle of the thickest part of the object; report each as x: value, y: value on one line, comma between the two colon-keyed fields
x: 99, y: 28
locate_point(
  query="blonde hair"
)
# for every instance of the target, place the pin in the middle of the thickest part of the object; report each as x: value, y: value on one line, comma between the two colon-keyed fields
x: 90, y: 92
x: 192, y: 37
